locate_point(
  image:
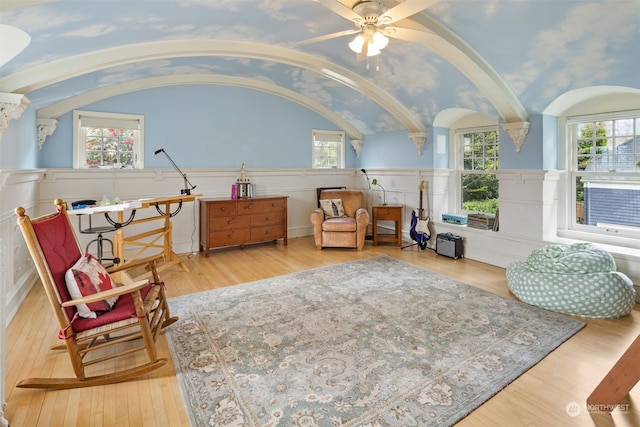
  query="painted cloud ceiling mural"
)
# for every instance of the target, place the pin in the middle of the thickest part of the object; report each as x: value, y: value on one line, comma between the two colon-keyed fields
x: 504, y: 58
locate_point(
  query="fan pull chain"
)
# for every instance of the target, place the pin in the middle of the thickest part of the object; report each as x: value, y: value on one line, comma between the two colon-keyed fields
x: 377, y: 63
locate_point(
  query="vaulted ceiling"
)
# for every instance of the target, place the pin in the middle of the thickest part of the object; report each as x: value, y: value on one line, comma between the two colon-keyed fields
x: 505, y: 58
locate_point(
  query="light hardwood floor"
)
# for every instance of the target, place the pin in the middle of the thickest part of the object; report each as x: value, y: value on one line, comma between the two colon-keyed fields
x: 537, y: 398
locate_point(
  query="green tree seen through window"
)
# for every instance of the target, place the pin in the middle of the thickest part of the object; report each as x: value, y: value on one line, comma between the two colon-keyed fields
x: 480, y: 186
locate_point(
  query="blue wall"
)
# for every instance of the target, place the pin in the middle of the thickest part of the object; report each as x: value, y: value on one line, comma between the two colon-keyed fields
x: 550, y: 142
x: 394, y: 150
x: 205, y: 126
x: 540, y: 148
x: 440, y: 151
x: 19, y: 142
x: 530, y: 155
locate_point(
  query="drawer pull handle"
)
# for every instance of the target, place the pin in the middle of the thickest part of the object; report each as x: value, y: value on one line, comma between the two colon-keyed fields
x: 268, y: 218
x: 230, y: 221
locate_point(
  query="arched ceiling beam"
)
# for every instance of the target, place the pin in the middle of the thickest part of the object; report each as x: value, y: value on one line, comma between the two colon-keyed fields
x: 462, y: 56
x: 15, y: 4
x: 58, y: 109
x: 43, y: 75
x: 449, y: 117
x: 574, y: 97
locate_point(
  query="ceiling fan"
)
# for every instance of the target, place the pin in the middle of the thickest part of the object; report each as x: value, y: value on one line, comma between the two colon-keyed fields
x: 373, y: 21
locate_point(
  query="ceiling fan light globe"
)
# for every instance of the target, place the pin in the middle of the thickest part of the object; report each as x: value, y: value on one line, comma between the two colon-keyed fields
x: 372, y: 50
x: 380, y: 40
x: 357, y: 43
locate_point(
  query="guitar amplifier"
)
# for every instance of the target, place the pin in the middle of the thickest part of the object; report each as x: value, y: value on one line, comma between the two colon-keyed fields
x: 450, y: 245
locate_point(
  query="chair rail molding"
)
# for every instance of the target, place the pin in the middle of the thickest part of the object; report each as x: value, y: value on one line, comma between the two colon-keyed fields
x: 518, y: 131
x: 12, y: 105
x: 46, y: 127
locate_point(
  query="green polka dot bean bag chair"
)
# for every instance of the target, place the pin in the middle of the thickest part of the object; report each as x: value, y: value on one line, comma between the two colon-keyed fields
x: 579, y: 279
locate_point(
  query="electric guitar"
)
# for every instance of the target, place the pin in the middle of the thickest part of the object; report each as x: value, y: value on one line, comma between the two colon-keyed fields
x: 420, y: 224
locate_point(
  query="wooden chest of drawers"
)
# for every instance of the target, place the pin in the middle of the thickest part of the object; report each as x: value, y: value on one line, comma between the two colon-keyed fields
x: 230, y: 222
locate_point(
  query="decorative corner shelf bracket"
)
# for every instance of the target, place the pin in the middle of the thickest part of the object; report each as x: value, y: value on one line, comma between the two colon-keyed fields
x: 418, y: 139
x: 518, y: 131
x: 357, y: 145
x: 12, y: 105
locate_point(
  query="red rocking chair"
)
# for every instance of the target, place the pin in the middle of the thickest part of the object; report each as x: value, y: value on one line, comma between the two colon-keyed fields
x: 132, y: 324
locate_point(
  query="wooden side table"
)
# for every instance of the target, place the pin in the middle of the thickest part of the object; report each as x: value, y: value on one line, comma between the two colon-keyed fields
x: 387, y: 213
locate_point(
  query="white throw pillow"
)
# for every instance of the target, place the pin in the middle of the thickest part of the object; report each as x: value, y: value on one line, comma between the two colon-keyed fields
x: 87, y: 277
x: 332, y: 208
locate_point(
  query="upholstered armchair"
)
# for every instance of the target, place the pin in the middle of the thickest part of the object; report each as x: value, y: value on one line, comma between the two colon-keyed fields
x: 341, y: 220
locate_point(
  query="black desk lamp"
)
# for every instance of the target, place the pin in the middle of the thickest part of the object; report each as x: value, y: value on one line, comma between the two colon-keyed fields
x: 367, y: 236
x: 365, y: 174
x: 187, y: 185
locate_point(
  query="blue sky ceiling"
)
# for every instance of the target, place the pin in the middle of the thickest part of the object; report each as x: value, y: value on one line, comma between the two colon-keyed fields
x: 347, y: 102
x: 526, y: 53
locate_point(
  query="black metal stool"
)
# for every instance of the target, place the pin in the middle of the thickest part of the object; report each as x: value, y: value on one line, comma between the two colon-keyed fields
x: 99, y: 240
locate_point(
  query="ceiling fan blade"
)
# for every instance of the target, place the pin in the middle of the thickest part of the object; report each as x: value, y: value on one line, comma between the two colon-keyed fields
x: 407, y: 34
x: 327, y: 37
x: 404, y: 10
x: 342, y: 10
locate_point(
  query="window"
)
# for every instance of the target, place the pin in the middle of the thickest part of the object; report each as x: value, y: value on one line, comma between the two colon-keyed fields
x: 605, y: 173
x: 107, y: 140
x: 478, y: 181
x: 328, y: 149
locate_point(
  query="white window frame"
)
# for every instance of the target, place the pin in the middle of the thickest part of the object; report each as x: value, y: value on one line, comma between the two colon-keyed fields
x: 108, y: 120
x: 328, y: 136
x: 458, y: 135
x: 607, y: 233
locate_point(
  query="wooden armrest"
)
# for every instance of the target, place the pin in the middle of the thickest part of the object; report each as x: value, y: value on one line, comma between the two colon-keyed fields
x: 136, y: 263
x: 117, y: 291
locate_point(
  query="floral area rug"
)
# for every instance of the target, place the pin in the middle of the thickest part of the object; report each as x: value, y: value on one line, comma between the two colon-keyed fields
x: 376, y: 342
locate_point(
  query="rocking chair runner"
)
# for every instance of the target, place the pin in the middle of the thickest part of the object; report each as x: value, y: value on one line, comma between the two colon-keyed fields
x: 140, y: 312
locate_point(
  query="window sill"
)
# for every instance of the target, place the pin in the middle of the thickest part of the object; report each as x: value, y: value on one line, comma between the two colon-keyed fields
x: 617, y: 246
x: 463, y: 226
